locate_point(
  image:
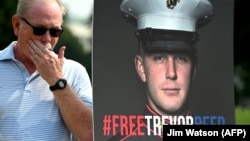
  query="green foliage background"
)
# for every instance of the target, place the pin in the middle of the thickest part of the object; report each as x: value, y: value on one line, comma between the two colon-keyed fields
x: 242, y: 115
x: 242, y: 62
x: 7, y: 9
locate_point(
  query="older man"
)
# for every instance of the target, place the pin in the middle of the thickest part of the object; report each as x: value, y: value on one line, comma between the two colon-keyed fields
x: 44, y: 96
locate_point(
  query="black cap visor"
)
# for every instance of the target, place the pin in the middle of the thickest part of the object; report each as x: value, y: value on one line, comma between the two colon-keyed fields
x: 168, y: 46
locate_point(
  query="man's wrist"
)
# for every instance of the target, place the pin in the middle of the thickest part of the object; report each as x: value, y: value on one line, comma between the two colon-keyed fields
x: 59, y: 85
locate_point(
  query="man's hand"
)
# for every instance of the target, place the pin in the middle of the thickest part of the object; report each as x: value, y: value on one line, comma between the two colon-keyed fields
x: 75, y: 113
x: 48, y: 64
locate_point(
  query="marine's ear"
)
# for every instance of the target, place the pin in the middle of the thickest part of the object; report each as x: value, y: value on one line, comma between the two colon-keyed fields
x: 140, y: 68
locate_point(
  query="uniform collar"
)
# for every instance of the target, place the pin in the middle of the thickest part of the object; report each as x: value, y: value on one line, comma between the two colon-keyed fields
x: 150, y: 111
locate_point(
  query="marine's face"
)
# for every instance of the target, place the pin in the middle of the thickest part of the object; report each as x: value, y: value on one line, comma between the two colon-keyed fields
x: 168, y: 79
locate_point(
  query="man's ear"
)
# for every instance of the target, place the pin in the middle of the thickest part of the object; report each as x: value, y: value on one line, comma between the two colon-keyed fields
x: 140, y: 68
x: 15, y: 24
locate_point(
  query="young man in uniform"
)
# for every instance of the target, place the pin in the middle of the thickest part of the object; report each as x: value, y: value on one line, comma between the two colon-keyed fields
x: 167, y: 56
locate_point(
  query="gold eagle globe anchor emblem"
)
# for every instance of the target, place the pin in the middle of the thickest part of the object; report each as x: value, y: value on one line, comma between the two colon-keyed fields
x: 172, y: 3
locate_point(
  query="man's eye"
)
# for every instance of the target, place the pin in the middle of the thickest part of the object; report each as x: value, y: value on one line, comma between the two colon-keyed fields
x: 158, y: 58
x: 182, y: 58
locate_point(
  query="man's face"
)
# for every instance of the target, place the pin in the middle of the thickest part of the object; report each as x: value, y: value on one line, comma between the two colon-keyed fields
x: 47, y: 15
x: 168, y: 79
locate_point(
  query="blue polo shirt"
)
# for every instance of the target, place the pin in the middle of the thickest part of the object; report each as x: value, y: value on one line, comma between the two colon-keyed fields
x: 28, y: 111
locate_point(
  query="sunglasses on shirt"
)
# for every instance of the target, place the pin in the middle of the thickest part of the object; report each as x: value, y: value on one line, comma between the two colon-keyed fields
x: 41, y: 31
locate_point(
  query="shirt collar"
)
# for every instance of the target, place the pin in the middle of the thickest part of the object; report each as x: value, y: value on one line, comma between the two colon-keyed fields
x: 8, y: 52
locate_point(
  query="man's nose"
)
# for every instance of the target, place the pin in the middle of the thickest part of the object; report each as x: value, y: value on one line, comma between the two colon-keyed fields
x: 171, y: 69
x: 46, y: 37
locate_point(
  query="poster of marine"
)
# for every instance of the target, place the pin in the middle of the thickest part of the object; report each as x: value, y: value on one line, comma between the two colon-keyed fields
x: 122, y: 91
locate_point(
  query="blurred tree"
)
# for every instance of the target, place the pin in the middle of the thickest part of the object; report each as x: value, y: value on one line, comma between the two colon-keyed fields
x: 241, y: 51
x: 8, y: 8
x: 74, y: 49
